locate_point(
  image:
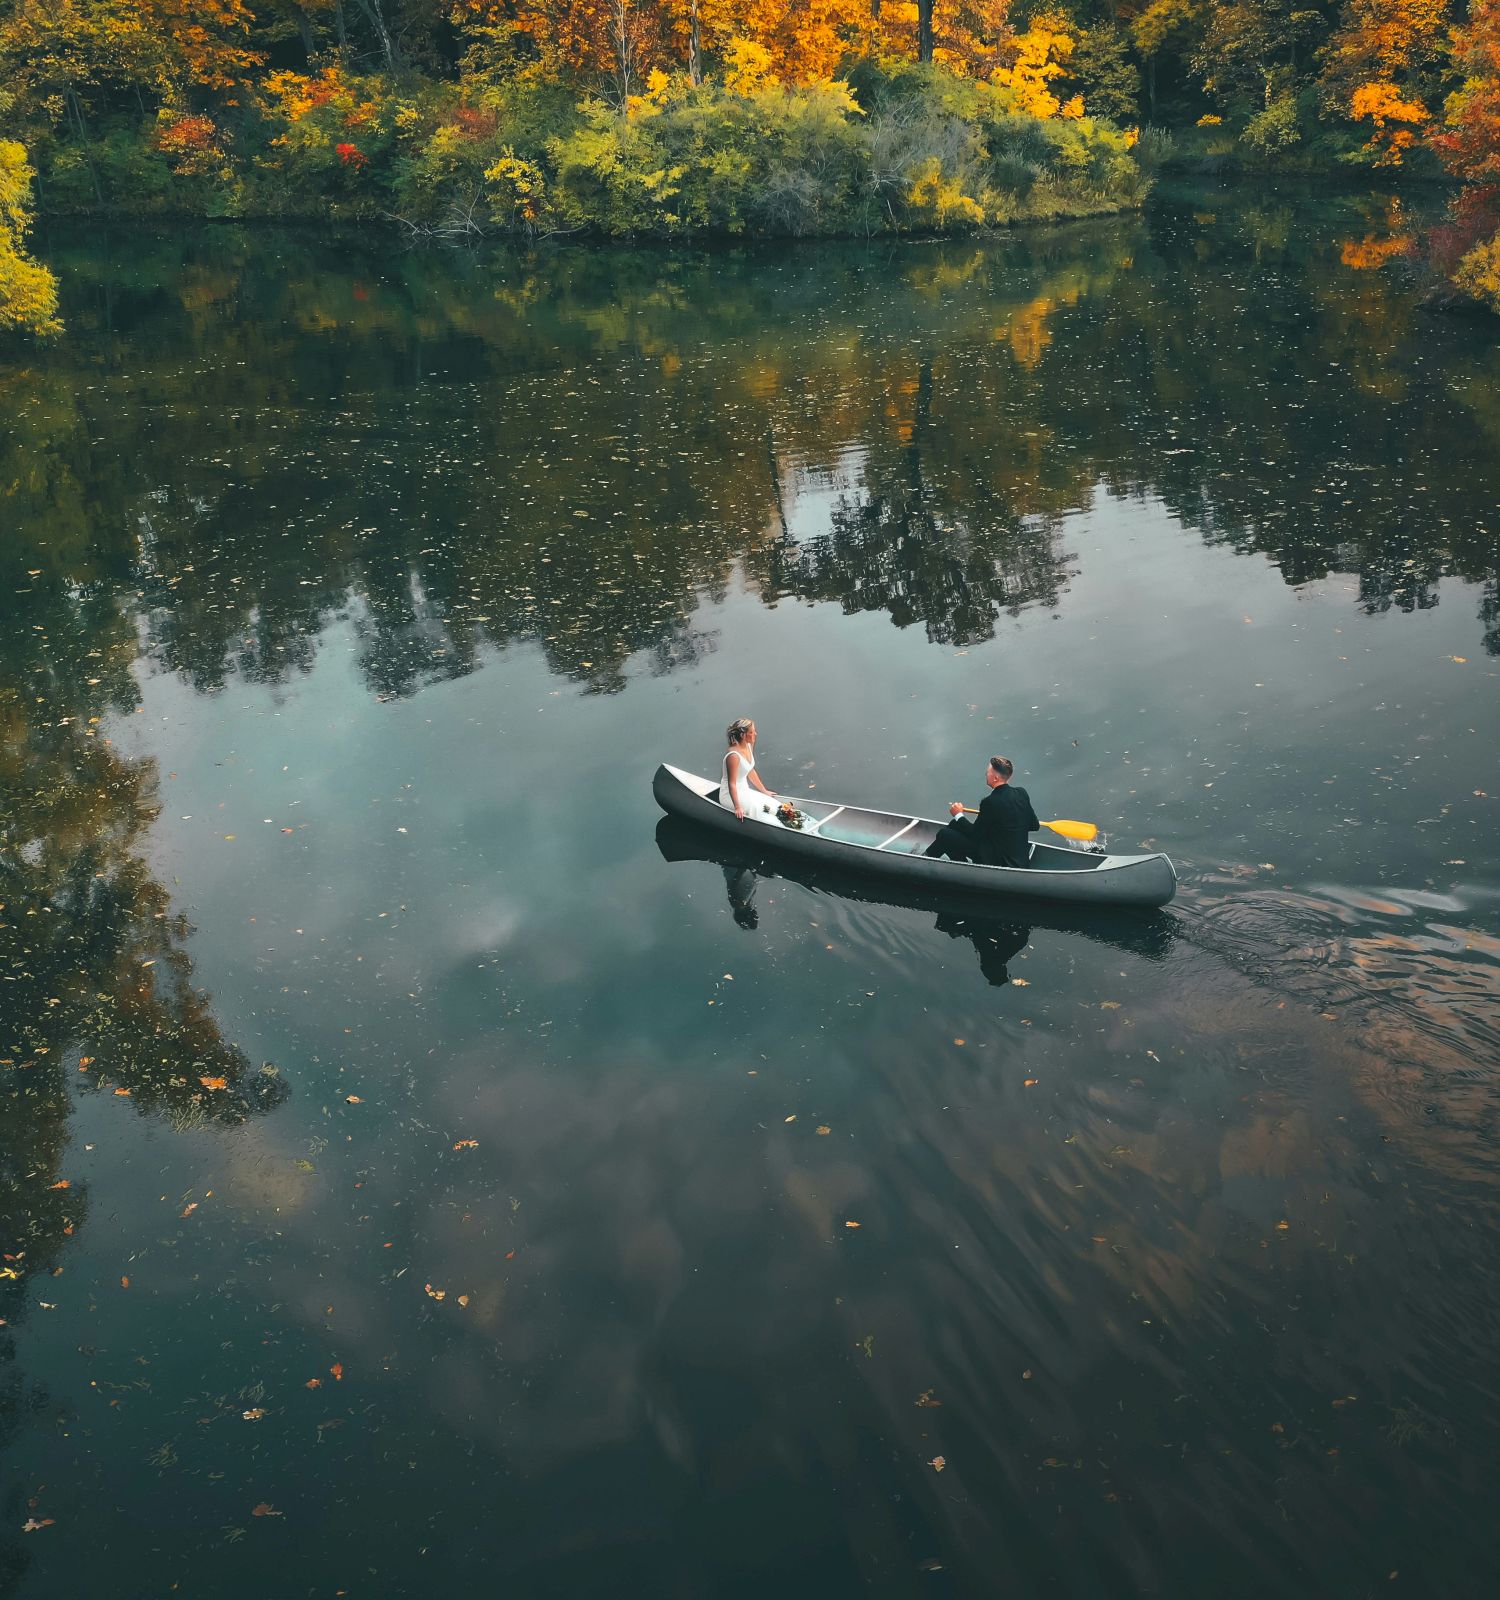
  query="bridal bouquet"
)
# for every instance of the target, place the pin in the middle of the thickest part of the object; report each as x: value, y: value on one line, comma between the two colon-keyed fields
x: 789, y: 816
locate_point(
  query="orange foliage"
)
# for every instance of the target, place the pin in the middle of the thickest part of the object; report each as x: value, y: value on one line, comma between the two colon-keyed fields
x: 1394, y: 116
x: 1469, y: 140
x: 1366, y: 255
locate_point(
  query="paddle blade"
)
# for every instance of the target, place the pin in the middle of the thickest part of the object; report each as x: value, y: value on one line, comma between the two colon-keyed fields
x: 1086, y: 832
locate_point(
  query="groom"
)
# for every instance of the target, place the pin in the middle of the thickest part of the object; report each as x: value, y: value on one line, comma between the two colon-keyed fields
x: 997, y: 836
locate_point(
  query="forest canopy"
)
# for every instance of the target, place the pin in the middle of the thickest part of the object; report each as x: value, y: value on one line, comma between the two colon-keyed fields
x: 671, y: 117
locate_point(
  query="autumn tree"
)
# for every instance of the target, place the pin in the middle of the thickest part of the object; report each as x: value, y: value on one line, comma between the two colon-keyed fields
x: 1468, y: 143
x: 28, y: 291
x: 1250, y: 59
x: 1379, y: 67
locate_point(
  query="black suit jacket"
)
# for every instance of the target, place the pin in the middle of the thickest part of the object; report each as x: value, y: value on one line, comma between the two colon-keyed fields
x: 997, y: 836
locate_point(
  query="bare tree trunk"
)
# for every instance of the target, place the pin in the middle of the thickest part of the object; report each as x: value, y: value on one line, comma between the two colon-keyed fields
x: 622, y: 26
x: 83, y: 144
x: 343, y: 31
x: 924, y: 30
x: 695, y: 44
x: 304, y: 27
x: 373, y: 10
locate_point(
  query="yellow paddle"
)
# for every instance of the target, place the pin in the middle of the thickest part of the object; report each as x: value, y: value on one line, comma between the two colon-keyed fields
x: 1084, y: 832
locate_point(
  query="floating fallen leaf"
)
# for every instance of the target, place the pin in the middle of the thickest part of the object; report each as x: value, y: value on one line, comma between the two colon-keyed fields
x: 35, y: 1524
x: 265, y: 1509
x: 337, y: 1369
x: 467, y: 1144
x: 1026, y: 1373
x: 937, y: 1463
x: 124, y: 1283
x: 191, y: 1207
x: 1109, y: 1005
x: 313, y: 1383
x: 254, y: 1414
x: 435, y: 1294
x: 63, y: 1183
x: 791, y: 1118
x: 214, y: 1083
x: 463, y: 1299
x: 958, y: 1041
x: 1029, y: 1083
x: 851, y: 1224
x: 122, y: 1091
x: 510, y: 1255
x: 1281, y: 1227
x: 823, y: 1128
x: 84, y: 1063
x: 353, y: 1099
x: 1345, y: 1400
x: 927, y: 1398
x: 1021, y: 983
x: 1459, y: 659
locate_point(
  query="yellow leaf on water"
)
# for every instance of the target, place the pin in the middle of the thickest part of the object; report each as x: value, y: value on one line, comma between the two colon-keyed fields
x: 1021, y: 983
x: 937, y: 1463
x: 353, y: 1099
x: 214, y: 1083
x: 265, y: 1509
x: 823, y: 1129
x: 851, y: 1224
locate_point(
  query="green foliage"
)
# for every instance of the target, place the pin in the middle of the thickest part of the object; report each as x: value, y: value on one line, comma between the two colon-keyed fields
x: 1100, y: 69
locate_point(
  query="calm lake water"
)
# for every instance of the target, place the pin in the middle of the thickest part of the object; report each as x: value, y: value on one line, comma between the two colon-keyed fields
x: 421, y: 1172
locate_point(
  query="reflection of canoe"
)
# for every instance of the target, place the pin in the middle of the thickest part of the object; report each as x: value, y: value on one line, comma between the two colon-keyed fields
x: 1149, y: 934
x: 891, y: 846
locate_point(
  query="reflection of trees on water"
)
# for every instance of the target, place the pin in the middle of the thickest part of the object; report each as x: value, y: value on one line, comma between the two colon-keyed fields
x: 571, y: 449
x: 96, y: 989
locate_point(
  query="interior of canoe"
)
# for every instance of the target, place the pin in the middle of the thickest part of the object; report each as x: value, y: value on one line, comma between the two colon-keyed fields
x: 909, y: 836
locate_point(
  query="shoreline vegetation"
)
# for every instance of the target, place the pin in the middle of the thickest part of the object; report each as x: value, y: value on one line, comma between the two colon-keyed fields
x: 674, y: 119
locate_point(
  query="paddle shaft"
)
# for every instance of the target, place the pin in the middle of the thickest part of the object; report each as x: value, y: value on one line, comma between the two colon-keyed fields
x: 1069, y: 830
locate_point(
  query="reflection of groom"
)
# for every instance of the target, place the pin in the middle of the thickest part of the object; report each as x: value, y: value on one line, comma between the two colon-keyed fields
x: 996, y: 943
x: 997, y: 836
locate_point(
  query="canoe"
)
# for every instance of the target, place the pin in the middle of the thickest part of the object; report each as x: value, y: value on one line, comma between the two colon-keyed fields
x: 890, y: 845
x: 1146, y: 933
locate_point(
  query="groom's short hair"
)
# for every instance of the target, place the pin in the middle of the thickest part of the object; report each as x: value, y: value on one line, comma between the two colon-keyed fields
x: 1002, y: 766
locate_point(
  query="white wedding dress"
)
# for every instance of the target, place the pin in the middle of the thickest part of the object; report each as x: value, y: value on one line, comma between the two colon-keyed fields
x: 753, y: 803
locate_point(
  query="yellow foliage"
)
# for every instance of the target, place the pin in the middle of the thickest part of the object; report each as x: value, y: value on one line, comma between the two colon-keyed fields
x: 748, y: 67
x: 28, y: 291
x: 942, y: 199
x: 1037, y: 57
x: 520, y: 188
x: 1209, y: 120
x: 1478, y: 272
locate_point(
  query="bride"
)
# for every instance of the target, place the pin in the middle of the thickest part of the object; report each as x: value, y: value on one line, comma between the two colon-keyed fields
x: 740, y: 788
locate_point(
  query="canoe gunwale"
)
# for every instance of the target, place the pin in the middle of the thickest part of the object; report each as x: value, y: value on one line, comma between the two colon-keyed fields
x: 1139, y: 880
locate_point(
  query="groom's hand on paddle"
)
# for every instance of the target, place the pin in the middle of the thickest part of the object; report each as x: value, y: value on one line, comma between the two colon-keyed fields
x: 956, y: 809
